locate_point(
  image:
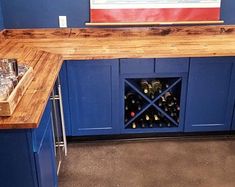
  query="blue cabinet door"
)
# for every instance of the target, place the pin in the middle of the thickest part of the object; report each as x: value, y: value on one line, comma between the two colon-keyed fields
x: 208, y: 105
x: 45, y: 160
x: 93, y: 96
x: 17, y: 163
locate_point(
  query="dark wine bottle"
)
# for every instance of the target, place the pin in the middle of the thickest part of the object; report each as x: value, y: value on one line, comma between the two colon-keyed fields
x: 151, y: 124
x: 166, y: 85
x: 133, y: 104
x: 144, y: 86
x: 142, y: 123
x: 156, y: 86
x: 139, y: 107
x: 161, y: 101
x: 168, y: 124
x: 160, y: 124
x: 169, y: 99
x: 152, y: 96
x: 178, y: 120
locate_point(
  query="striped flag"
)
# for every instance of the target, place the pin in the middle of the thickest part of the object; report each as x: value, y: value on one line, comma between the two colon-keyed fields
x: 154, y: 10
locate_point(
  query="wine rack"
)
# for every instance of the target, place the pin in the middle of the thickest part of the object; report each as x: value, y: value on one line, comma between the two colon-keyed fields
x: 152, y: 103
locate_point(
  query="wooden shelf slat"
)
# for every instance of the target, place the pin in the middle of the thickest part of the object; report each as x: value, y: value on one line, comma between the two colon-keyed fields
x: 155, y: 23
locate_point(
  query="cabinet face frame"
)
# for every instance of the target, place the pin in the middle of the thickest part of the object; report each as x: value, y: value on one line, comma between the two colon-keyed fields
x: 180, y: 128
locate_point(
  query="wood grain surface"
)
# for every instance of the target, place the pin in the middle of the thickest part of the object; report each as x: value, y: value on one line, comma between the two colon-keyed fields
x: 46, y: 66
x: 154, y: 23
x: 45, y: 50
x: 7, y: 107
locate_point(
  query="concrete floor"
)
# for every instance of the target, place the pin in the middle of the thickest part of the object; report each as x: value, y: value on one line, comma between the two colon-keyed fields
x: 150, y: 163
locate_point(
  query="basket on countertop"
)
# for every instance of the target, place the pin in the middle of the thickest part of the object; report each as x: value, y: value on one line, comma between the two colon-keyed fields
x: 14, y: 80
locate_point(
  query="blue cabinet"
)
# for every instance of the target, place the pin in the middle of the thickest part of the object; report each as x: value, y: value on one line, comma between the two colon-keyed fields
x: 27, y: 156
x: 44, y: 151
x: 209, y: 95
x: 170, y: 71
x: 45, y: 160
x: 17, y: 162
x: 93, y: 96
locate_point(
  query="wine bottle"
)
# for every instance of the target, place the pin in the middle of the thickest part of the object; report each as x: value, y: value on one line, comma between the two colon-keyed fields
x: 178, y: 108
x: 133, y: 100
x: 168, y: 124
x: 160, y: 124
x: 139, y: 107
x: 144, y: 86
x: 161, y: 101
x: 156, y: 117
x: 147, y: 118
x: 169, y: 99
x: 166, y: 85
x: 133, y: 104
x: 133, y: 125
x: 178, y: 120
x: 139, y: 103
x: 151, y: 125
x: 130, y: 97
x: 173, y: 114
x: 132, y: 114
x: 142, y: 123
x: 156, y: 86
x: 152, y: 96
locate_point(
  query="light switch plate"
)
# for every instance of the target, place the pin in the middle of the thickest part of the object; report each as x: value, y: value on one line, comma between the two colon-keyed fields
x: 63, y: 21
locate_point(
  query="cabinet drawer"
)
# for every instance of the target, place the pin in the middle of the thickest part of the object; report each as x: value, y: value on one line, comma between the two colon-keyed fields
x: 172, y: 65
x: 141, y: 65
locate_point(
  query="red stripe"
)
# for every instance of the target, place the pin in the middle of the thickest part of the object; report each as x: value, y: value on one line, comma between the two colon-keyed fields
x: 155, y: 15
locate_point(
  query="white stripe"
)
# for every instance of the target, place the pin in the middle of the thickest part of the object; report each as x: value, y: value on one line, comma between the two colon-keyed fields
x: 152, y: 5
x: 137, y: 6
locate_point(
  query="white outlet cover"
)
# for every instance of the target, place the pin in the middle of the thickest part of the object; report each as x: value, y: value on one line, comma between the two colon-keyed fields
x: 63, y: 21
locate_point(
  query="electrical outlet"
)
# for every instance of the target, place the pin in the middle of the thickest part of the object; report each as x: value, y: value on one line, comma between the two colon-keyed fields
x: 63, y: 21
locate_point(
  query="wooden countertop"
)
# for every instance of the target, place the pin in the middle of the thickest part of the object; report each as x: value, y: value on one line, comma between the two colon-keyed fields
x: 45, y: 50
x: 46, y: 66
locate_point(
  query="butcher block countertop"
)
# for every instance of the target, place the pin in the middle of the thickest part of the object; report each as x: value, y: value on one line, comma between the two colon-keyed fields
x: 46, y: 49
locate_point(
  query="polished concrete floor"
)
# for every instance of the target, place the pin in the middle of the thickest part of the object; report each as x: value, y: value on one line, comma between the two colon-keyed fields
x: 150, y: 163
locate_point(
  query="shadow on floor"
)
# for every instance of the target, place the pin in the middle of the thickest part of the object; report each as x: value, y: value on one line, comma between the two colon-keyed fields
x: 150, y: 163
